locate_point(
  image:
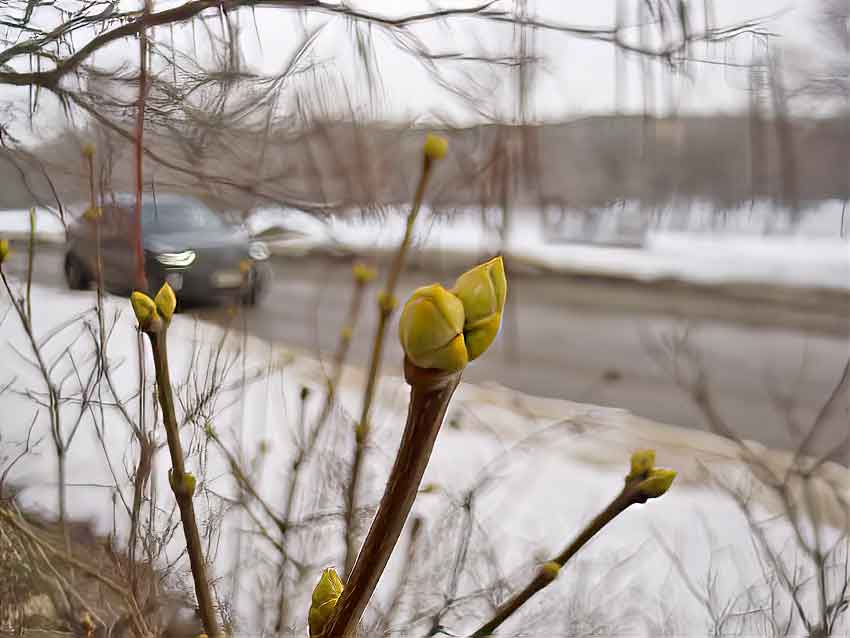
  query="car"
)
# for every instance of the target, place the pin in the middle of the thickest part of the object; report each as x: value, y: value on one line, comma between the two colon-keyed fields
x: 185, y: 244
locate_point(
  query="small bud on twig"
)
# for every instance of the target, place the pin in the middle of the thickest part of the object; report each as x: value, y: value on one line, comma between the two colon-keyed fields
x: 360, y: 432
x: 4, y: 250
x: 88, y: 150
x: 145, y: 310
x: 386, y: 303
x: 186, y: 486
x: 92, y: 213
x: 435, y: 147
x: 324, y: 600
x: 550, y: 570
x: 166, y: 302
x: 642, y: 462
x: 87, y: 624
x: 649, y: 481
x: 657, y: 483
x: 363, y: 274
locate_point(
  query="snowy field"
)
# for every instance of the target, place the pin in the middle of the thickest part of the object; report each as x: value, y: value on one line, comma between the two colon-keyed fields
x: 551, y: 465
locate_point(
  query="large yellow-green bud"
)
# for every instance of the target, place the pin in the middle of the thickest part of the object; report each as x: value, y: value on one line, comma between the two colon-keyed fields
x: 325, y: 597
x: 482, y: 291
x: 4, y: 250
x: 165, y: 301
x: 431, y: 329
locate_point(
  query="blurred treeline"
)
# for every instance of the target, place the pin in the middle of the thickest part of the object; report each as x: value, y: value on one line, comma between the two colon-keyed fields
x: 726, y: 161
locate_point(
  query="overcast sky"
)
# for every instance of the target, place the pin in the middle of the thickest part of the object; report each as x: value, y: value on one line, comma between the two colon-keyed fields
x: 575, y: 77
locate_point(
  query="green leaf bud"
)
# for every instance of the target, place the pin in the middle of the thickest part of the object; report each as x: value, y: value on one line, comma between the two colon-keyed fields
x: 483, y: 291
x: 325, y: 597
x: 166, y: 302
x: 657, y: 483
x: 435, y: 147
x: 145, y: 310
x: 642, y: 462
x: 431, y: 329
x: 550, y: 570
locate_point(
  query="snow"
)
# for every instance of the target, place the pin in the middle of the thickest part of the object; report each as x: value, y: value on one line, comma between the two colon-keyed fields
x: 814, y: 256
x: 685, y: 242
x: 555, y: 463
x: 15, y: 224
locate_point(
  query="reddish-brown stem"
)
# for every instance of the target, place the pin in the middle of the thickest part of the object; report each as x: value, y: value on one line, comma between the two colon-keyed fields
x: 430, y: 393
x: 386, y: 305
x: 141, y: 279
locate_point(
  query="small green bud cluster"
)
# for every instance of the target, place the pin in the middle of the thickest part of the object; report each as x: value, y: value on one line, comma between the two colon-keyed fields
x: 445, y: 329
x: 651, y: 481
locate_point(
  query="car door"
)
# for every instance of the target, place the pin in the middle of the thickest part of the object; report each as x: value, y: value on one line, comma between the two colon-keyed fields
x: 117, y: 247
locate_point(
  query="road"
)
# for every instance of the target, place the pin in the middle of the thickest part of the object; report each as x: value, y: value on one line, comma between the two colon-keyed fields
x: 772, y: 359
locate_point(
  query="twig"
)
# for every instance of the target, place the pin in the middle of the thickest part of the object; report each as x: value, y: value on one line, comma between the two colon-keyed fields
x: 545, y: 576
x: 141, y: 280
x: 180, y: 485
x: 386, y: 305
x: 30, y: 257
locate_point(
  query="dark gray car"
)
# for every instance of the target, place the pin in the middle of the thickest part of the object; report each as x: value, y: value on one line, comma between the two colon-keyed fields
x: 185, y: 243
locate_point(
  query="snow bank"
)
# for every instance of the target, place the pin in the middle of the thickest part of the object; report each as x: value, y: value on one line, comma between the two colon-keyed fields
x: 15, y: 224
x: 816, y: 256
x: 556, y: 462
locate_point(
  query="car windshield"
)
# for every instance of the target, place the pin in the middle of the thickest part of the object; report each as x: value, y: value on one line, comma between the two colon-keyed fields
x: 177, y: 216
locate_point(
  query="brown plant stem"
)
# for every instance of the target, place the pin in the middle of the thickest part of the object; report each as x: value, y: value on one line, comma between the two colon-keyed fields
x: 298, y: 463
x: 60, y: 445
x: 628, y: 496
x: 413, y: 550
x: 178, y: 473
x: 138, y: 155
x: 30, y: 260
x: 340, y: 356
x: 386, y: 305
x: 430, y: 393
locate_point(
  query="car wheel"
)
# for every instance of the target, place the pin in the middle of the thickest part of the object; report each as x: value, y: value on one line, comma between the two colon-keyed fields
x: 75, y: 273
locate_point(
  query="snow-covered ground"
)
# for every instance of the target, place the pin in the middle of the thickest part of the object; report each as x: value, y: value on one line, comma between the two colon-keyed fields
x: 816, y: 255
x: 15, y: 224
x: 689, y: 242
x: 554, y: 463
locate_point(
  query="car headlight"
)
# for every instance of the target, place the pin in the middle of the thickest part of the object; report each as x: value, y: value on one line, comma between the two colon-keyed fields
x: 258, y: 251
x: 182, y: 259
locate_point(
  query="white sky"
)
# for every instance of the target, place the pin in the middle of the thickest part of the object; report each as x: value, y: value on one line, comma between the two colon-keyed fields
x: 575, y: 77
